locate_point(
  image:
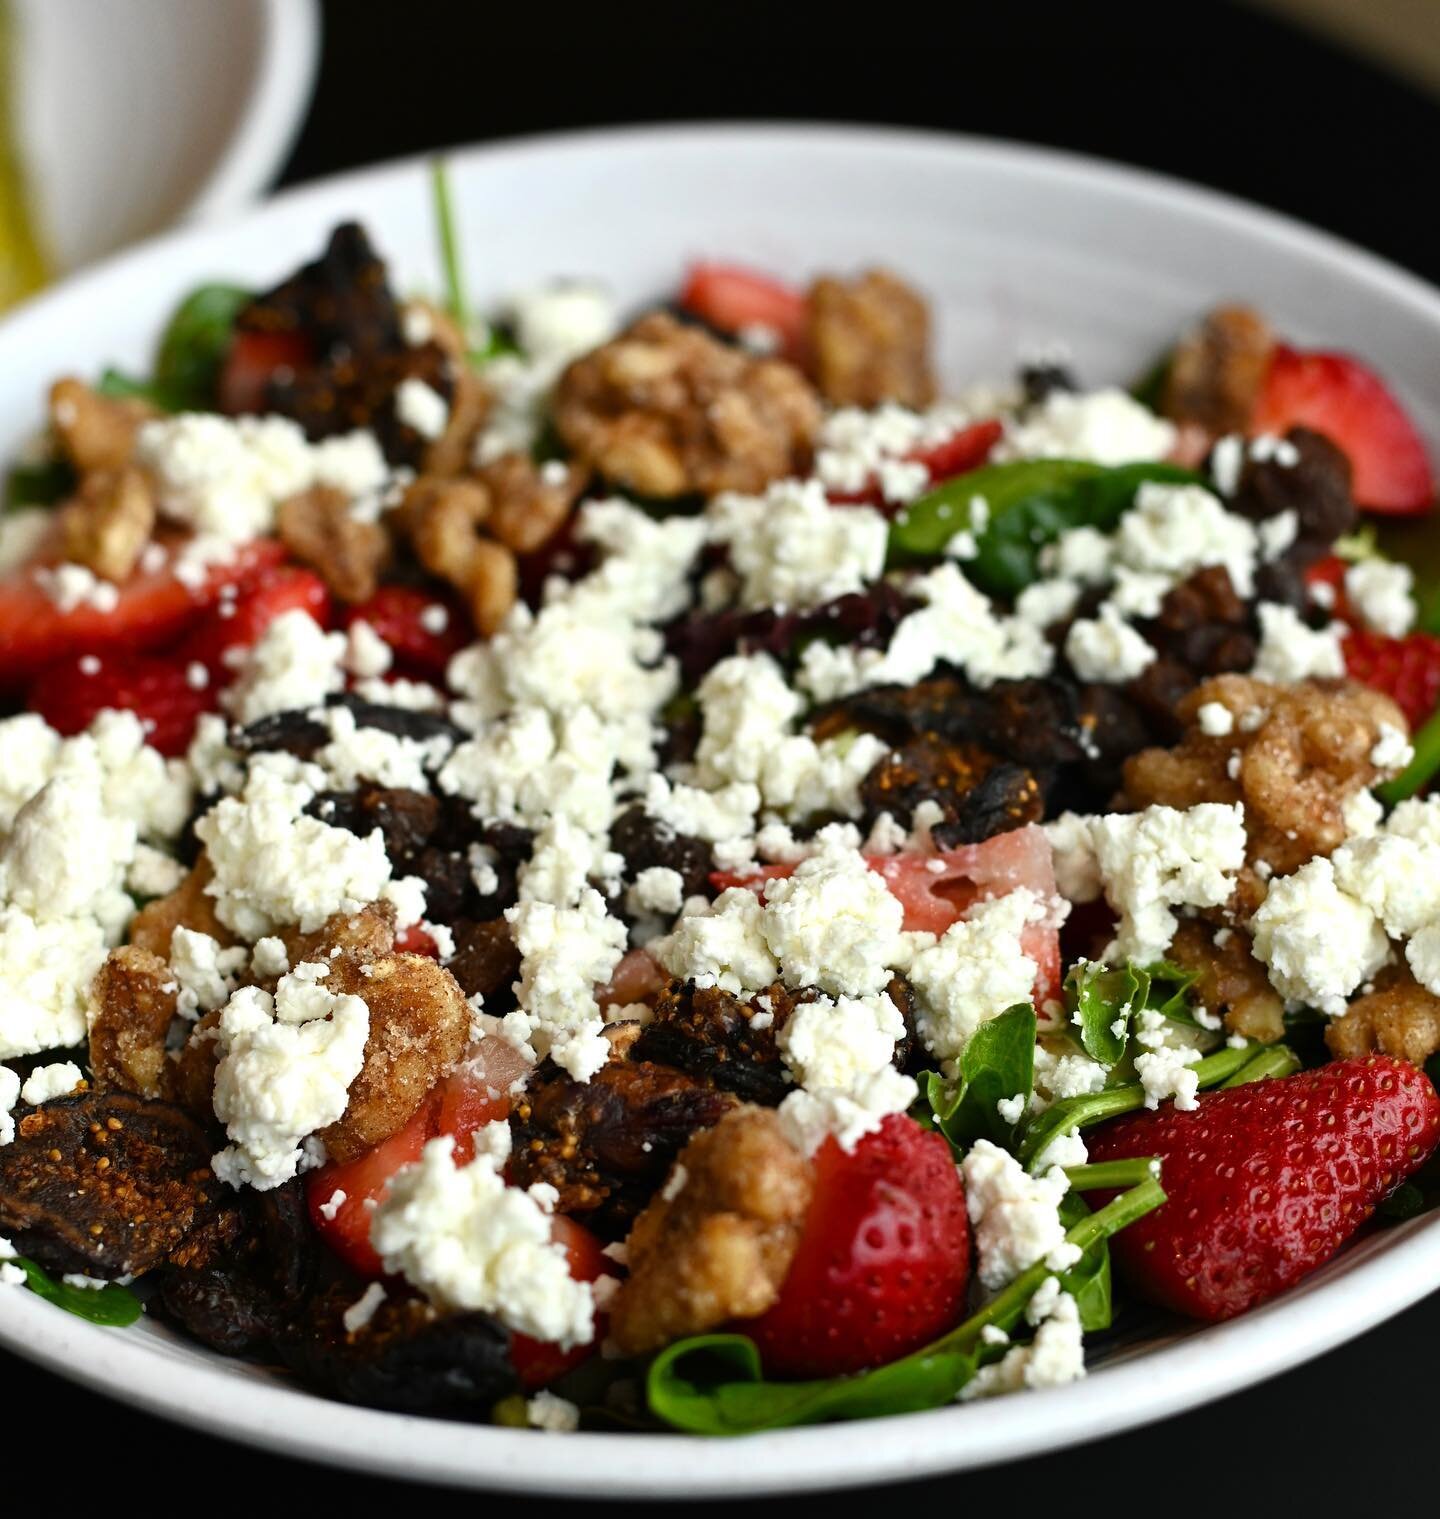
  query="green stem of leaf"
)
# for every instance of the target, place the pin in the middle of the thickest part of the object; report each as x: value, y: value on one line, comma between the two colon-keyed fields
x: 1278, y: 1060
x: 1420, y: 769
x: 1112, y: 1173
x: 456, y: 301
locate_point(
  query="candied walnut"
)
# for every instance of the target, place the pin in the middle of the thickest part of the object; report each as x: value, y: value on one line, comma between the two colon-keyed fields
x: 450, y: 453
x: 667, y: 411
x: 715, y: 1244
x: 407, y: 1358
x: 189, y: 906
x: 132, y: 1008
x: 869, y: 341
x: 359, y: 936
x: 1216, y: 371
x: 96, y: 432
x: 1295, y: 757
x: 319, y: 529
x: 978, y: 794
x: 106, y: 1184
x: 606, y: 1144
x: 485, y: 962
x: 530, y: 502
x: 419, y: 1027
x: 1400, y: 1018
x: 1232, y: 982
x: 109, y: 521
x: 444, y: 518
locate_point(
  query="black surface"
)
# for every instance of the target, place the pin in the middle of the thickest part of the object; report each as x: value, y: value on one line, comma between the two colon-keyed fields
x: 1207, y: 91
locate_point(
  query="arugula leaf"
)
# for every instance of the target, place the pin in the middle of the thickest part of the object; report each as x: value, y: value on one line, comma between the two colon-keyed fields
x: 1030, y: 502
x: 1072, y: 1114
x: 114, y: 1305
x: 1169, y: 991
x: 714, y: 1384
x: 1103, y: 1003
x: 998, y: 1065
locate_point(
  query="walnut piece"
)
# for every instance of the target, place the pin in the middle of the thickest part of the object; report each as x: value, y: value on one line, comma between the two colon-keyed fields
x: 108, y: 522
x: 364, y: 935
x: 1216, y: 371
x: 319, y: 529
x: 530, y: 503
x: 1232, y: 982
x: 667, y: 411
x: 444, y: 519
x: 96, y: 432
x: 188, y: 906
x: 1299, y: 754
x: 715, y: 1243
x: 869, y: 341
x: 132, y: 1007
x: 419, y: 1027
x: 1400, y: 1018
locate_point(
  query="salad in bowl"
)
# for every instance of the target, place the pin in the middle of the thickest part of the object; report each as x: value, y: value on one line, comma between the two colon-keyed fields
x: 656, y: 869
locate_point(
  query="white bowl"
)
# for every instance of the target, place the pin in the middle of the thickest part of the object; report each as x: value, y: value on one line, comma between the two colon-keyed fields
x: 135, y: 114
x: 1017, y: 247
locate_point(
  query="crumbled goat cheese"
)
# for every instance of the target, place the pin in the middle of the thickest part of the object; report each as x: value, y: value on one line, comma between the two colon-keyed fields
x: 1077, y: 871
x: 276, y: 867
x: 792, y: 549
x: 657, y: 889
x: 1105, y: 426
x: 285, y: 1068
x: 48, y: 967
x: 472, y: 1244
x: 1161, y: 858
x: 1382, y: 593
x: 1215, y: 719
x: 293, y: 665
x: 810, y: 1118
x: 71, y: 586
x: 48, y: 1081
x: 565, y: 952
x: 1397, y: 878
x: 1178, y: 529
x: 1055, y: 1356
x: 1015, y: 1214
x: 367, y: 655
x: 66, y: 858
x: 1392, y: 751
x: 1106, y: 648
x: 357, y: 753
x: 833, y: 1045
x: 422, y: 407
x: 555, y: 1414
x: 564, y: 861
x: 1290, y: 651
x: 1317, y: 942
x: 358, y: 1315
x: 1164, y: 1068
x: 9, y: 1096
x: 977, y: 969
x: 724, y: 944
x: 833, y: 923
x: 205, y: 972
x: 227, y: 477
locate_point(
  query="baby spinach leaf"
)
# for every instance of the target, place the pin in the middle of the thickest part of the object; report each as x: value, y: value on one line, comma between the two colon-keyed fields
x: 191, y: 352
x: 113, y: 1305
x: 1088, y: 1280
x: 1169, y: 991
x: 998, y: 1065
x: 1102, y: 1003
x: 1028, y: 503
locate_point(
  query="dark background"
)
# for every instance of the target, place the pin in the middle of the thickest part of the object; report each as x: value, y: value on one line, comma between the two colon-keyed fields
x: 1208, y: 91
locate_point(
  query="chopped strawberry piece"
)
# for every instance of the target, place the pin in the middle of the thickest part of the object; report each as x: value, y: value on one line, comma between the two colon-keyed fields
x: 731, y: 299
x: 424, y: 629
x: 254, y: 359
x: 1406, y: 669
x: 152, y: 609
x: 933, y: 898
x: 1334, y: 394
x: 239, y: 622
x: 160, y: 692
x: 1266, y: 1181
x: 883, y: 1261
x: 415, y: 940
x: 957, y: 455
x: 538, y: 1362
x: 1330, y: 572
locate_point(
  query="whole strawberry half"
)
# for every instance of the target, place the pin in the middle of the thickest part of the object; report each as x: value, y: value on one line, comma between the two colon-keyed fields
x: 883, y: 1262
x: 1265, y: 1182
x: 1406, y: 669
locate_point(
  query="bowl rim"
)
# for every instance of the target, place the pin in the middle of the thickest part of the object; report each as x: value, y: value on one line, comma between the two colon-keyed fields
x: 1322, y: 1313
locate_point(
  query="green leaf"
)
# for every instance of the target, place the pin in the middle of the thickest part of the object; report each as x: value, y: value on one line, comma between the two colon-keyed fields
x: 40, y: 484
x: 1270, y: 1061
x: 1420, y: 769
x: 1088, y: 1281
x: 1169, y: 991
x: 715, y: 1385
x: 1102, y: 1004
x: 114, y: 1305
x: 194, y: 344
x: 456, y: 301
x: 998, y: 1065
x: 1029, y: 503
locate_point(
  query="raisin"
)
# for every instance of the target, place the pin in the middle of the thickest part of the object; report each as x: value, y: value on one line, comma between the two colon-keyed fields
x: 1045, y: 378
x: 646, y: 843
x: 486, y: 962
x: 1316, y: 487
x: 978, y: 795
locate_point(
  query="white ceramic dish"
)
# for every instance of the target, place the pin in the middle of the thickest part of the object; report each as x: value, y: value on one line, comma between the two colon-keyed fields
x: 1016, y: 247
x: 136, y: 114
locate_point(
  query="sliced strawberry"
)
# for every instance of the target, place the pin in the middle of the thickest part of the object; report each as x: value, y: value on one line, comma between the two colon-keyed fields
x: 956, y: 455
x: 1339, y: 396
x: 152, y: 609
x: 539, y: 1362
x: 254, y: 359
x: 1330, y: 572
x: 1406, y: 669
x: 71, y: 694
x: 408, y: 620
x: 934, y: 898
x: 731, y: 299
x: 1266, y: 1181
x: 883, y: 1261
x: 238, y: 622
